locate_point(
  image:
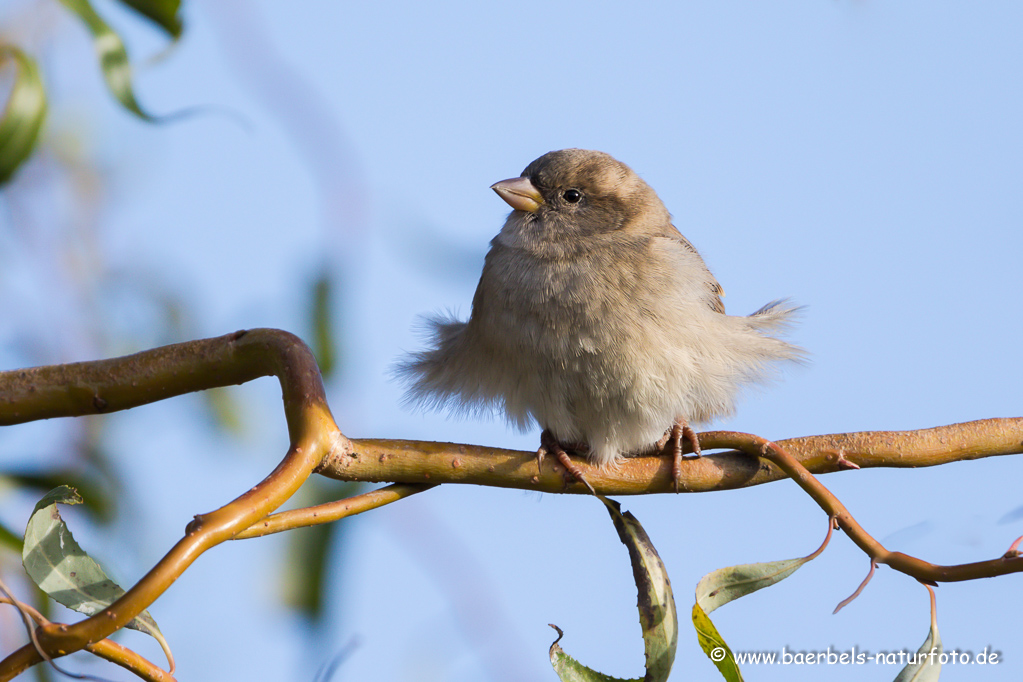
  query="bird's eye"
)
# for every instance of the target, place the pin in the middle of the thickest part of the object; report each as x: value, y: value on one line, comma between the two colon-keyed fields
x: 572, y: 196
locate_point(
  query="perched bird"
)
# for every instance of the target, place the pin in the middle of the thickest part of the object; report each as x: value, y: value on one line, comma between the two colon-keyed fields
x: 597, y: 319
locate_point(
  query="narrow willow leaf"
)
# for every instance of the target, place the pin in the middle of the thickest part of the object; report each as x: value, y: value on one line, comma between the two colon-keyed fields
x: 719, y: 587
x: 62, y: 569
x: 113, y: 57
x: 722, y: 586
x: 10, y: 539
x: 324, y: 343
x: 714, y: 645
x: 163, y: 13
x: 23, y: 115
x: 225, y: 410
x: 571, y: 670
x: 657, y: 614
x: 926, y: 665
x: 308, y: 573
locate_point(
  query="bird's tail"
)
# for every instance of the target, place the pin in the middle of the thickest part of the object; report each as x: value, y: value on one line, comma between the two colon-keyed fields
x: 443, y: 375
x: 776, y: 316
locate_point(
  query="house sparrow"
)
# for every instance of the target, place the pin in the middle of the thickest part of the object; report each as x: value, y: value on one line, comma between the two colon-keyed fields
x: 597, y: 319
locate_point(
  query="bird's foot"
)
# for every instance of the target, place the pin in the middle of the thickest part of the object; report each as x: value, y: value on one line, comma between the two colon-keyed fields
x: 678, y: 432
x: 550, y: 445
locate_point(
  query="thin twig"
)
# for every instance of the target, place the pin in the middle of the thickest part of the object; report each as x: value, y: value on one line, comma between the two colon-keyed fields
x: 827, y: 539
x: 921, y: 570
x: 845, y: 602
x: 331, y: 511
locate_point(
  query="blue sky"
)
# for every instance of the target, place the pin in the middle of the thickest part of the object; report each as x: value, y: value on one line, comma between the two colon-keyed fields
x: 862, y: 158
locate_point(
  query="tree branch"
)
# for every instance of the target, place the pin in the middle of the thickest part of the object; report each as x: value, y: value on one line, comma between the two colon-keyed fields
x: 331, y: 511
x: 317, y: 445
x: 106, y: 649
x: 925, y: 572
x: 118, y: 384
x: 405, y: 461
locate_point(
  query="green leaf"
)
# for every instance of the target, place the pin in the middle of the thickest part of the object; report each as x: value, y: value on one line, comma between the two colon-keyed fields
x: 23, y: 115
x: 225, y: 411
x: 163, y: 13
x: 726, y: 584
x: 113, y: 57
x: 719, y: 587
x: 571, y: 670
x: 322, y: 324
x: 714, y: 645
x: 926, y: 664
x: 10, y: 539
x: 657, y: 614
x: 308, y: 571
x: 62, y: 569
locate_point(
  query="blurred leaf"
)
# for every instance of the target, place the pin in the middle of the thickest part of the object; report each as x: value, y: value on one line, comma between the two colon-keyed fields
x: 1012, y: 515
x: 309, y: 549
x: 10, y: 539
x: 112, y: 55
x: 23, y: 115
x: 719, y: 587
x: 329, y: 668
x: 907, y: 535
x: 307, y: 559
x: 163, y: 13
x: 62, y: 569
x: 322, y: 324
x: 657, y: 614
x: 225, y: 410
x: 926, y: 666
x: 100, y: 502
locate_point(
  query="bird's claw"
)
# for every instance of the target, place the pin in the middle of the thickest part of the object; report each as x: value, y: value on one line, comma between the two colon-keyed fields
x: 550, y: 445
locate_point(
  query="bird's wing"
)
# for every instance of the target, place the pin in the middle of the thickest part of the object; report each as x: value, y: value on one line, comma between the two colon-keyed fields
x: 716, y: 292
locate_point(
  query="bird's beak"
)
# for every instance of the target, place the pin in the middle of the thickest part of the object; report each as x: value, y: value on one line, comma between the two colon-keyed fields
x: 520, y: 193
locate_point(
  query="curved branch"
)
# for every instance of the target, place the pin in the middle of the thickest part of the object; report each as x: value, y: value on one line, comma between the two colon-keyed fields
x: 106, y: 649
x: 118, y: 384
x: 925, y: 572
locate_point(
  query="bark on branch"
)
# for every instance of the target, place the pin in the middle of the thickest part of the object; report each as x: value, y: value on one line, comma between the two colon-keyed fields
x: 405, y: 461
